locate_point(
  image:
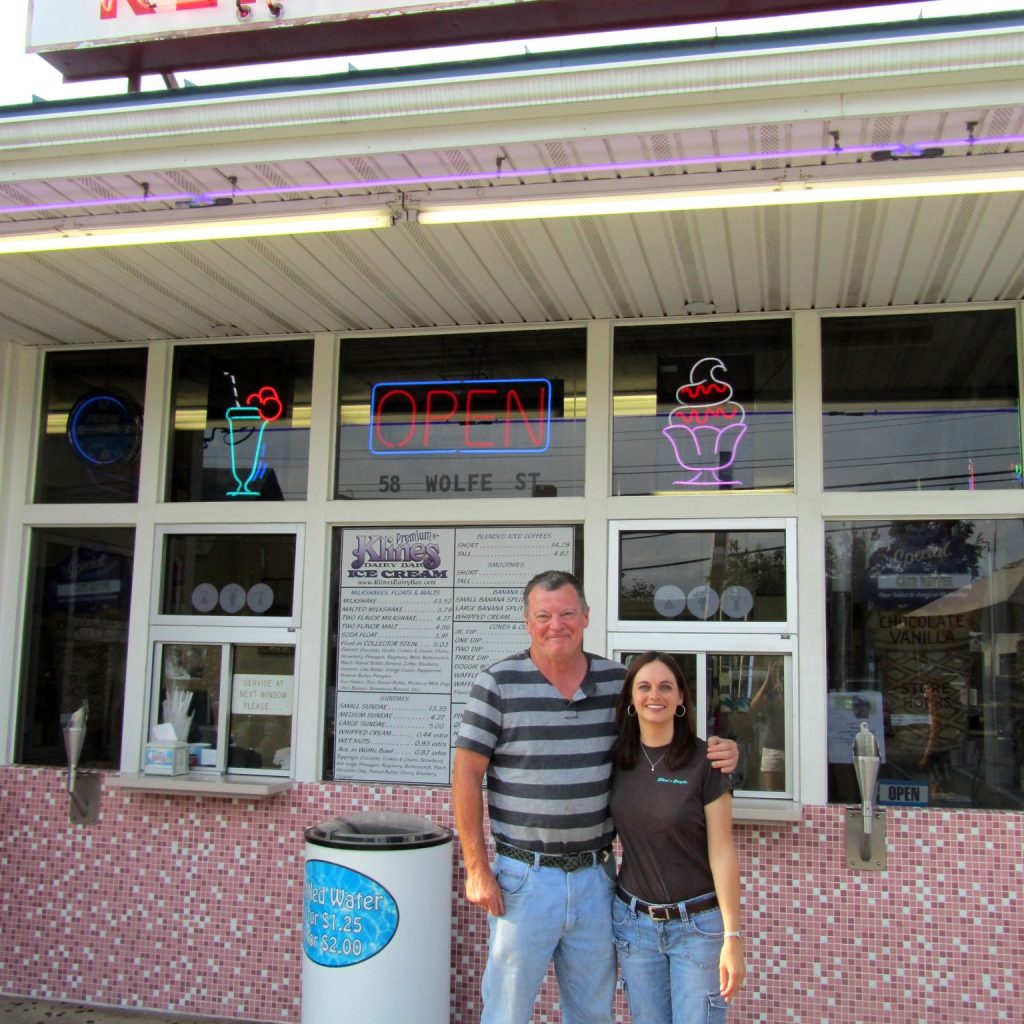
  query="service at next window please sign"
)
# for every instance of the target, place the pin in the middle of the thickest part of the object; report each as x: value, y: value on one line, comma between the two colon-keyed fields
x: 67, y: 24
x: 422, y: 611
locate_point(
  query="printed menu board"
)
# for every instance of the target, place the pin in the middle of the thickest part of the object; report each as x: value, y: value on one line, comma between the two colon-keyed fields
x: 421, y: 612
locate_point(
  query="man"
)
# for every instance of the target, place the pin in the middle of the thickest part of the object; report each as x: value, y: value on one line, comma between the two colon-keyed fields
x: 540, y: 726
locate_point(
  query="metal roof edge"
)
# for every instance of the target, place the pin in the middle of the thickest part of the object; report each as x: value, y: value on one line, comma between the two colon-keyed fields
x: 883, y: 76
x: 533, y: 63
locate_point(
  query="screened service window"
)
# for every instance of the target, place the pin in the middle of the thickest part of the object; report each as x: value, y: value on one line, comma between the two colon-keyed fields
x: 703, y: 407
x: 241, y: 422
x: 495, y: 415
x: 725, y: 576
x: 227, y: 574
x: 75, y: 643
x: 926, y: 644
x: 91, y: 430
x: 921, y: 402
x: 238, y: 701
x: 744, y: 695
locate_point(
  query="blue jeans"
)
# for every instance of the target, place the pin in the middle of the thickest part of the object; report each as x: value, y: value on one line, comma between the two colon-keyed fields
x: 670, y: 968
x: 551, y: 914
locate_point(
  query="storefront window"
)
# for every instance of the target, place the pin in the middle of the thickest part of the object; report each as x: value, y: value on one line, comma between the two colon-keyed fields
x: 228, y: 574
x: 926, y: 644
x: 495, y: 415
x: 76, y: 637
x: 241, y: 422
x: 703, y: 407
x: 726, y: 576
x: 921, y: 402
x: 92, y: 426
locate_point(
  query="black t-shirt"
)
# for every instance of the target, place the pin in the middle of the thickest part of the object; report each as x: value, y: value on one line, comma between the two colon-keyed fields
x: 659, y: 817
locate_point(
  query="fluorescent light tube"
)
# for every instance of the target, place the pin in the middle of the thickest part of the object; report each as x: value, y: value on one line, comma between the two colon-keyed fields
x: 81, y: 234
x: 789, y: 193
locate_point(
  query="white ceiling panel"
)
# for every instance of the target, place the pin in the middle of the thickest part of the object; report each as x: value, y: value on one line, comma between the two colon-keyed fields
x: 839, y: 255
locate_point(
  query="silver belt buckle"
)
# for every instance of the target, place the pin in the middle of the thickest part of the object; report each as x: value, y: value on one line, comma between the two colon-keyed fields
x: 659, y: 914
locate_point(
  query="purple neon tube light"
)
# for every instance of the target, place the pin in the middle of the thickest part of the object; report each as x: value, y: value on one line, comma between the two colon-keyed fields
x: 912, y: 150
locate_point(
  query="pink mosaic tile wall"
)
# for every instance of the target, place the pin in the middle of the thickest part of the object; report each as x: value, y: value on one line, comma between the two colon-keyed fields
x: 195, y: 905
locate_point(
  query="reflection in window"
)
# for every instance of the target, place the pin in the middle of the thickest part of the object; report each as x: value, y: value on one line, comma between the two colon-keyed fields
x: 703, y: 407
x: 241, y: 421
x: 76, y: 637
x: 190, y: 677
x: 747, y: 702
x: 693, y: 576
x: 92, y: 426
x: 495, y: 415
x: 926, y: 644
x: 921, y: 402
x: 226, y: 574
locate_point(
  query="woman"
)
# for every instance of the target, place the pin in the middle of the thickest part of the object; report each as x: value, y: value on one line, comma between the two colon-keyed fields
x: 676, y: 911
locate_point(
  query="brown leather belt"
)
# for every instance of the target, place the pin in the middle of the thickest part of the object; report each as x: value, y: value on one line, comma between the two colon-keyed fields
x: 565, y: 861
x: 669, y: 911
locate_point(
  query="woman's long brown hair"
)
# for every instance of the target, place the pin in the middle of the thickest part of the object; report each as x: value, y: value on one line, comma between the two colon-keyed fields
x: 626, y: 750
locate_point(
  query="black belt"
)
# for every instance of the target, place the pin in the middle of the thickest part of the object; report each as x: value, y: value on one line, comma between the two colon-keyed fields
x: 565, y: 861
x: 669, y: 911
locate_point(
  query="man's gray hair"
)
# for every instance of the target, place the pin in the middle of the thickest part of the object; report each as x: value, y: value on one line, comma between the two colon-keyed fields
x: 554, y: 579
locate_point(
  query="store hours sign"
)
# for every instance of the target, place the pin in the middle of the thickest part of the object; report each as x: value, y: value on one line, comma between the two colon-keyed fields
x: 421, y: 611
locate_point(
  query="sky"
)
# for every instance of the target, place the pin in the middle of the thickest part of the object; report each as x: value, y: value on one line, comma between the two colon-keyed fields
x: 25, y: 76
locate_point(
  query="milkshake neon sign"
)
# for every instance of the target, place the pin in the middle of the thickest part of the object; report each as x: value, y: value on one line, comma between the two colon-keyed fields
x: 261, y: 407
x: 706, y: 427
x: 484, y: 417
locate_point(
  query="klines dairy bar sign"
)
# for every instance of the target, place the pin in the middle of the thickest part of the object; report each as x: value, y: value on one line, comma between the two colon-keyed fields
x: 60, y: 24
x: 87, y: 39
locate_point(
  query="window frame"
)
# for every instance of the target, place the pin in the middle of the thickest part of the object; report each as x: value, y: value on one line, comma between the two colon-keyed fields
x: 169, y: 411
x: 158, y: 618
x: 787, y: 525
x: 949, y: 495
x: 733, y: 492
x: 770, y: 804
x: 161, y: 637
x: 224, y: 631
x: 948, y: 514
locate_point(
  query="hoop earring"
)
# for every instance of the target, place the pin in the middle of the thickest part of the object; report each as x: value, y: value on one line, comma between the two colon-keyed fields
x: 680, y: 711
x: 631, y: 711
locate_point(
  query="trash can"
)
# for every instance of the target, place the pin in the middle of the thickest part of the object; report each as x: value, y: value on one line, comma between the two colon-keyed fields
x: 377, y: 920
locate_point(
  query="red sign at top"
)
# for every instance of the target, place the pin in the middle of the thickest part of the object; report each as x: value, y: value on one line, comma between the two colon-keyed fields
x: 106, y: 38
x: 109, y: 8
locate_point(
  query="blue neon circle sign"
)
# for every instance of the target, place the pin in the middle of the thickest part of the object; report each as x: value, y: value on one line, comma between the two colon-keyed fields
x: 104, y: 430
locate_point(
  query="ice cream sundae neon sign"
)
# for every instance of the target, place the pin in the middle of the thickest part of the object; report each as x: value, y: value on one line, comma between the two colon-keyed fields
x: 706, y: 427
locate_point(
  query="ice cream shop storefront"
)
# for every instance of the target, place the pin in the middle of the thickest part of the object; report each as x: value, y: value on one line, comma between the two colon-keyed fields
x: 270, y: 500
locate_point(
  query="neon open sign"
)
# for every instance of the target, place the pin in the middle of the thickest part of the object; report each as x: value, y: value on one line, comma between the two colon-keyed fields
x: 485, y: 417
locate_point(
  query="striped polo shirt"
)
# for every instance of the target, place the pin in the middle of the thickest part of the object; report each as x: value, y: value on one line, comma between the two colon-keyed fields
x: 549, y: 777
